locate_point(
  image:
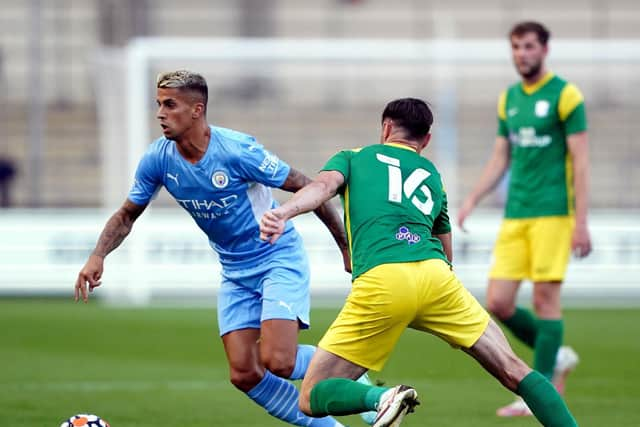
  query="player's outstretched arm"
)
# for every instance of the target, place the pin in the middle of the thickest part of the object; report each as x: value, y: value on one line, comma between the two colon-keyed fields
x: 325, y: 211
x: 114, y: 232
x: 491, y: 175
x: 308, y: 198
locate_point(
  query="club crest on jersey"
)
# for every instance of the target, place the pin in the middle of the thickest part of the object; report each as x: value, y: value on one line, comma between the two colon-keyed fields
x: 219, y: 179
x: 404, y: 234
x: 542, y: 108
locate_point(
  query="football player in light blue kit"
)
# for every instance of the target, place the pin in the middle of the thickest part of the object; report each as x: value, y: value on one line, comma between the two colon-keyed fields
x: 221, y: 178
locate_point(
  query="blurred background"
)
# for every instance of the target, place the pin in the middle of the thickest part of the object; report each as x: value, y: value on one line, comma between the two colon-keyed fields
x: 306, y: 78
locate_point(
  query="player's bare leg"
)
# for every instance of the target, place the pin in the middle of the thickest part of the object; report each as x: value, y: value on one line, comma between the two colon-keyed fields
x: 247, y: 372
x: 501, y: 297
x: 493, y: 352
x: 241, y: 348
x: 278, y: 346
x: 501, y: 302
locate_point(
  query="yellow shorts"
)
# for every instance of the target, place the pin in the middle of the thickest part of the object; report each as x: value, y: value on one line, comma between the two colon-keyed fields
x: 384, y: 301
x: 537, y: 249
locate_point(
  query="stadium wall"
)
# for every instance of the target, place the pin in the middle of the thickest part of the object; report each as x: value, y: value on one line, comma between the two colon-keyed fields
x: 167, y: 260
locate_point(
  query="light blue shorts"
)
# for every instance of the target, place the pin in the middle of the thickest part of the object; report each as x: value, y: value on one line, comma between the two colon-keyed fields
x: 278, y: 288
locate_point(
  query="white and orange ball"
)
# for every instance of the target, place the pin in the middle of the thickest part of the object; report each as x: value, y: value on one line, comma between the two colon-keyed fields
x: 85, y: 420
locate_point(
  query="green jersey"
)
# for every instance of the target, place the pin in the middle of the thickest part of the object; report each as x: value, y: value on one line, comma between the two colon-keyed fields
x: 394, y: 203
x: 537, y: 120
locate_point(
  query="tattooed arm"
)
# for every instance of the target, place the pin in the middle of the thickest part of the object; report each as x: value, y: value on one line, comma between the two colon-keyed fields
x: 114, y: 232
x: 325, y: 211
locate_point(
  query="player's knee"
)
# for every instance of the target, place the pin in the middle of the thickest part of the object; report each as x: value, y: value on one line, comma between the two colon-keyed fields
x: 280, y: 363
x: 546, y: 307
x: 245, y: 379
x: 499, y: 308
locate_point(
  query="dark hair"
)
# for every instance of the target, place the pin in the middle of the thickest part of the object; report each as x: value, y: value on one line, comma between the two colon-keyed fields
x: 411, y: 114
x: 522, y: 28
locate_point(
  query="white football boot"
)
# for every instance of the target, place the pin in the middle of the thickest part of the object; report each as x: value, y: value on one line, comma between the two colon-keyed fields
x: 394, y: 404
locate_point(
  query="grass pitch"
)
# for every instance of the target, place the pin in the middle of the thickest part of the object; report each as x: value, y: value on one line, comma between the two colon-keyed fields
x: 166, y: 367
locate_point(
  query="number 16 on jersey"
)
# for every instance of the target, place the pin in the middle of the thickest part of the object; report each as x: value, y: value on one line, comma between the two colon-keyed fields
x: 413, y: 182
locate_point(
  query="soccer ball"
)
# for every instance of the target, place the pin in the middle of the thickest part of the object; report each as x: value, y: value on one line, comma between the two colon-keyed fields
x: 85, y: 420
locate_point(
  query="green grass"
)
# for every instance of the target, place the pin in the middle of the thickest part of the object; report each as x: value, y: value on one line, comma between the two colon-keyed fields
x: 166, y: 367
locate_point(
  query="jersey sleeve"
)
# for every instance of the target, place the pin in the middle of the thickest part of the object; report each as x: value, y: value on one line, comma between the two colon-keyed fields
x: 147, y: 180
x: 260, y: 165
x: 571, y: 109
x: 502, y: 115
x: 441, y: 224
x: 340, y: 162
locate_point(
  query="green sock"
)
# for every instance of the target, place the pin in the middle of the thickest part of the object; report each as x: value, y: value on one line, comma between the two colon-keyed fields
x: 545, y: 402
x: 342, y: 396
x: 523, y: 325
x: 548, y: 342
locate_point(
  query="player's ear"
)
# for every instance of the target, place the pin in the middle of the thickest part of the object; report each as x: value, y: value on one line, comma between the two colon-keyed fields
x: 198, y: 110
x: 424, y: 142
x: 387, y: 127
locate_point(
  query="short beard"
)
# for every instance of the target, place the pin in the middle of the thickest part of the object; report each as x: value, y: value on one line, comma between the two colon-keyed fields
x: 534, y: 70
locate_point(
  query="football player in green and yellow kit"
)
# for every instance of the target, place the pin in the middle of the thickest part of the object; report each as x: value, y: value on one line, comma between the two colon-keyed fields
x: 542, y: 140
x: 400, y: 244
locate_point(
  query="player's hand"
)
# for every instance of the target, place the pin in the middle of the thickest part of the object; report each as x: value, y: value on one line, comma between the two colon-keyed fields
x: 89, y: 275
x: 464, y: 212
x: 581, y: 241
x: 271, y: 226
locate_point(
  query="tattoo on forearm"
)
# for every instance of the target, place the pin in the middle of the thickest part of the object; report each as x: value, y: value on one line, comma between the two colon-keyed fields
x: 295, y: 181
x: 115, y: 231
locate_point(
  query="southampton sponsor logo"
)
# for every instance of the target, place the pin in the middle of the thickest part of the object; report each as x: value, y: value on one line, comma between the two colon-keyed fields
x: 269, y: 164
x: 404, y: 234
x: 526, y: 137
x: 210, y: 209
x: 219, y: 179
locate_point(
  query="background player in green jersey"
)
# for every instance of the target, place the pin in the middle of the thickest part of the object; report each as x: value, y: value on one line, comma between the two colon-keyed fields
x: 400, y: 242
x: 542, y: 139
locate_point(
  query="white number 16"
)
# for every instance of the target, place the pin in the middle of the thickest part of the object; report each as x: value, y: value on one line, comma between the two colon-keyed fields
x: 396, y: 188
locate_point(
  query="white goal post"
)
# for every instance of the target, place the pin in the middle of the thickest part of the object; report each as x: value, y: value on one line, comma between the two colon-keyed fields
x: 447, y: 53
x: 130, y: 99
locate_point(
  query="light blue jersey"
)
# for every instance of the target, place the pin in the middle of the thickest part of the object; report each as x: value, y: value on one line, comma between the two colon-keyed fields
x: 226, y: 192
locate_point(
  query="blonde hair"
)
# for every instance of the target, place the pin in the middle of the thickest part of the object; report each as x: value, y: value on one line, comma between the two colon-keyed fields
x: 184, y: 80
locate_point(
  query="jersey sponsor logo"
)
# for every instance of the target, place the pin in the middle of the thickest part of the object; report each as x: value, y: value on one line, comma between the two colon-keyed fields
x: 404, y: 234
x: 219, y: 179
x: 174, y: 178
x: 526, y: 137
x: 542, y: 108
x: 269, y: 164
x: 209, y: 209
